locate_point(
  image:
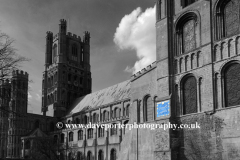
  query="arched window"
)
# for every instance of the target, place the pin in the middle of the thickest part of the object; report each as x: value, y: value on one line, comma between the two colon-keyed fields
x: 90, y: 133
x: 80, y: 135
x: 113, y: 154
x: 232, y: 85
x: 79, y: 156
x: 74, y: 52
x: 105, y: 115
x: 62, y: 138
x: 185, y: 3
x: 189, y: 89
x: 187, y: 33
x: 101, y: 131
x: 227, y: 18
x: 70, y: 136
x: 148, y: 109
x: 85, y: 119
x: 114, y: 129
x: 188, y: 39
x: 100, y: 155
x: 127, y: 110
x: 94, y: 118
x: 89, y: 155
x: 115, y: 113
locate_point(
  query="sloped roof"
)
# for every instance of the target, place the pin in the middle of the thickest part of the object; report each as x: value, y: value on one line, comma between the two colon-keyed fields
x: 36, y: 133
x: 105, y: 96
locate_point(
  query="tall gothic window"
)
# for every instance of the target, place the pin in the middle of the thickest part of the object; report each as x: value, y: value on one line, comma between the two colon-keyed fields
x: 74, y: 52
x: 54, y: 53
x: 232, y: 85
x: 161, y: 9
x: 227, y: 18
x: 189, y: 87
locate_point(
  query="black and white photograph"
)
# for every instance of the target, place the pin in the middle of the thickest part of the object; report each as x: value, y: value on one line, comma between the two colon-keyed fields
x: 119, y: 79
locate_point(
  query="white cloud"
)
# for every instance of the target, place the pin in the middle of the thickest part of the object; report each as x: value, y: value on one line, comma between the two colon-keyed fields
x: 137, y: 31
x: 129, y: 69
x: 38, y: 97
x: 29, y: 96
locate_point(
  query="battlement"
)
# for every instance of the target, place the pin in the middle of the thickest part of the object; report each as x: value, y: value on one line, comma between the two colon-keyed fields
x: 49, y: 33
x: 5, y: 82
x: 63, y: 21
x: 74, y: 36
x: 20, y: 73
x: 144, y: 70
x: 87, y: 34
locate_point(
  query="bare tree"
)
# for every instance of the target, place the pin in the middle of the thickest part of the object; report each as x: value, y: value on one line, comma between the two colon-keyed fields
x: 9, y: 59
x: 48, y: 148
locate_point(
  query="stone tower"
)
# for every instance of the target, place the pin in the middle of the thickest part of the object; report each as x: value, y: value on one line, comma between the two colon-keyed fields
x: 5, y: 96
x: 67, y: 72
x: 17, y: 112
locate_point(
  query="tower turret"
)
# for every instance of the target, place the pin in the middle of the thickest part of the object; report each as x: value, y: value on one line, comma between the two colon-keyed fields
x: 5, y: 96
x: 48, y: 54
x: 63, y: 26
x: 17, y: 112
x: 86, y: 37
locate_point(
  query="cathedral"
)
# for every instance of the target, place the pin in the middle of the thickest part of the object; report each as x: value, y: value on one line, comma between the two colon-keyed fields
x: 194, y: 80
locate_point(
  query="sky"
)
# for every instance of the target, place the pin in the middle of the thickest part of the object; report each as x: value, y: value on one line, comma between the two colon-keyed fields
x: 122, y: 36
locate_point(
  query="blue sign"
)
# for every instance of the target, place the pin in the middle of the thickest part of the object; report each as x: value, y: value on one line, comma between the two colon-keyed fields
x: 163, y: 108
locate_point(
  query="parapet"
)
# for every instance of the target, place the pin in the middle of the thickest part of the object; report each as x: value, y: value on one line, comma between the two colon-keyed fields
x: 74, y: 36
x: 143, y: 71
x: 5, y: 82
x: 63, y: 21
x: 87, y: 34
x: 19, y: 73
x: 49, y: 33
